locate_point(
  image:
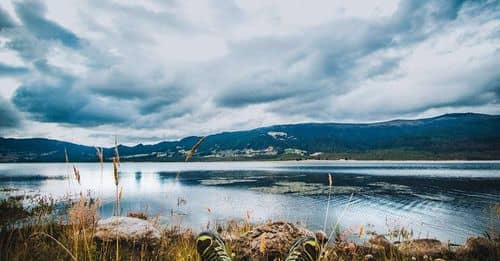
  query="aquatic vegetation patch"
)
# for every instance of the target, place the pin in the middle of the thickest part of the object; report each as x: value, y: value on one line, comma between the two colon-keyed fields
x: 224, y: 181
x: 304, y: 188
x: 390, y: 187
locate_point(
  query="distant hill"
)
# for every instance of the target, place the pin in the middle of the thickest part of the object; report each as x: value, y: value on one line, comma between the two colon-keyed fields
x: 464, y: 136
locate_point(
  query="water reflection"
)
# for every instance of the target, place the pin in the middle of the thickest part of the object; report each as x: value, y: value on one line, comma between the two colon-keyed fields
x: 449, y: 201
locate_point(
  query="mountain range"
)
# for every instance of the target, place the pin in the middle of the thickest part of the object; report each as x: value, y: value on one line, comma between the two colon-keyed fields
x: 458, y: 136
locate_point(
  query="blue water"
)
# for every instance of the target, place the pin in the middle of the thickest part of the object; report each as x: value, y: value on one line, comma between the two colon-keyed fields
x: 445, y: 200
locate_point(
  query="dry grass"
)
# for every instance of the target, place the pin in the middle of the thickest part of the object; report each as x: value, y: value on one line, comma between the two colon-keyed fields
x: 73, y: 239
x: 194, y: 148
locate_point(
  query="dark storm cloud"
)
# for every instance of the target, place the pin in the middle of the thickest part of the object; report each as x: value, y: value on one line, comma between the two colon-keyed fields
x: 55, y: 97
x: 5, y: 20
x: 35, y: 35
x: 9, y: 117
x: 344, y: 53
x: 60, y: 103
x: 32, y: 15
x: 113, y: 95
x: 6, y: 70
x: 157, y: 104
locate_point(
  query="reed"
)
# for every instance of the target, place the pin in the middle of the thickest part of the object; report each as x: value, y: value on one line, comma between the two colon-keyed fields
x: 117, y: 182
x: 335, y: 227
x: 116, y: 163
x: 194, y: 148
x: 100, y: 156
x: 117, y: 154
x: 330, y: 183
x: 77, y: 174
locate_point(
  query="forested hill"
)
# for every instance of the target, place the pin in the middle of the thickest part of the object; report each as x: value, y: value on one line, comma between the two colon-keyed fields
x: 450, y: 136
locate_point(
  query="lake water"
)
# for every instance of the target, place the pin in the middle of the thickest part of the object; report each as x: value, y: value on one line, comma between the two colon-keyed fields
x: 445, y: 200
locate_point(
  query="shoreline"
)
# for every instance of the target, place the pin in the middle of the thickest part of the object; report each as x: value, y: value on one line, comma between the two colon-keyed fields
x: 195, y: 161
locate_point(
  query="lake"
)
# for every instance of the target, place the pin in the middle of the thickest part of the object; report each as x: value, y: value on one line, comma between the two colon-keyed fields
x: 443, y: 200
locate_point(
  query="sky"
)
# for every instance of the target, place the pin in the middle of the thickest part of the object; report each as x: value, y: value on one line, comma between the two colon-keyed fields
x: 145, y: 71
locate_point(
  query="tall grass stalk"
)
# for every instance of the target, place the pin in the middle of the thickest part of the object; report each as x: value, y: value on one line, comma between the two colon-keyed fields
x: 57, y: 242
x: 100, y: 156
x: 340, y: 217
x: 117, y: 155
x: 117, y: 182
x: 116, y: 164
x: 191, y: 153
x: 330, y: 183
x: 194, y: 148
x: 68, y: 170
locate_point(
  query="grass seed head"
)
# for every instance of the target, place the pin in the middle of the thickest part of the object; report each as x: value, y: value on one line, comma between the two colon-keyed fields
x: 360, y: 231
x: 115, y: 170
x: 77, y: 174
x: 194, y: 148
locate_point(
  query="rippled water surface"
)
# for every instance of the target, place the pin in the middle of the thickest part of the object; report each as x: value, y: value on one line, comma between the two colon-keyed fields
x: 445, y: 200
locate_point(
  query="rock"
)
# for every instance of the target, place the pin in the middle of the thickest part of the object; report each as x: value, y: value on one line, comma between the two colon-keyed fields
x: 380, y: 244
x: 137, y: 214
x: 269, y: 241
x: 321, y: 237
x: 479, y: 248
x: 351, y: 248
x: 421, y: 247
x: 127, y: 229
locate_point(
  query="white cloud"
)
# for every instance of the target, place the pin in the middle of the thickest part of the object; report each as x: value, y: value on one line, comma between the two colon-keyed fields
x: 153, y: 70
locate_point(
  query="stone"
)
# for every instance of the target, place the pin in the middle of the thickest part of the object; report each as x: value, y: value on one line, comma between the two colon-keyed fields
x: 137, y: 214
x: 127, y: 229
x: 479, y: 248
x: 269, y: 241
x: 380, y: 244
x: 321, y: 237
x: 421, y: 247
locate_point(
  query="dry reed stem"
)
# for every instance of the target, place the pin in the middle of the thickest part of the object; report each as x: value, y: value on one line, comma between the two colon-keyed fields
x: 360, y: 231
x: 115, y: 170
x: 330, y: 183
x: 117, y: 155
x: 341, y: 216
x: 57, y: 242
x: 194, y: 148
x: 262, y: 246
x: 117, y: 181
x: 100, y: 155
x: 120, y: 193
x: 77, y: 174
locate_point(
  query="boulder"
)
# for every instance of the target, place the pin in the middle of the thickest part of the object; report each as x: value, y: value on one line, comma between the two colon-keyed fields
x: 421, y: 247
x: 369, y: 257
x: 269, y: 241
x: 479, y: 248
x: 380, y: 244
x: 127, y: 229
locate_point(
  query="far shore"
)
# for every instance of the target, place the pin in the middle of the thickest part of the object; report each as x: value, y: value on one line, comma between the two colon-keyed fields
x: 198, y: 161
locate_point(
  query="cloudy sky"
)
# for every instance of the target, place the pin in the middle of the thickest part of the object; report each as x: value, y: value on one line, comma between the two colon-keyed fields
x: 87, y: 70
